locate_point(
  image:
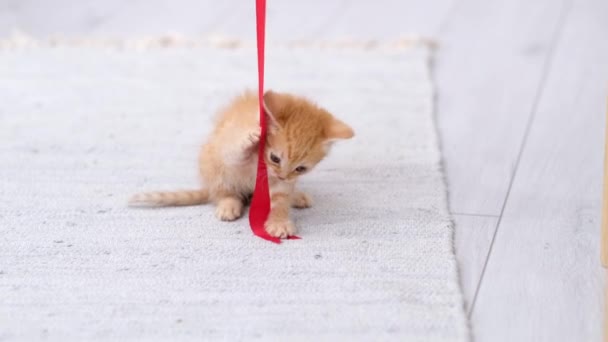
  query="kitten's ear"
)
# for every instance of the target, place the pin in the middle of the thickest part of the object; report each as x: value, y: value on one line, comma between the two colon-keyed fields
x: 273, y: 105
x: 336, y: 130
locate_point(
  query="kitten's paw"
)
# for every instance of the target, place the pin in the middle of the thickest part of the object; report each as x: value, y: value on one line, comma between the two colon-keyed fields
x: 254, y: 137
x: 301, y: 200
x: 280, y: 228
x: 229, y: 209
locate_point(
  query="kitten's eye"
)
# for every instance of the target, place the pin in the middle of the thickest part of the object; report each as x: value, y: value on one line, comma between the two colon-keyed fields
x: 300, y: 169
x: 275, y: 159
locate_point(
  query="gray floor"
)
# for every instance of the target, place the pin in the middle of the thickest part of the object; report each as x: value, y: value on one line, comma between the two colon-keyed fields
x: 522, y: 96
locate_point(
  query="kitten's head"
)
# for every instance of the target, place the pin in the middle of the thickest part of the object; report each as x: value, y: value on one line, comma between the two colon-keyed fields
x: 300, y: 135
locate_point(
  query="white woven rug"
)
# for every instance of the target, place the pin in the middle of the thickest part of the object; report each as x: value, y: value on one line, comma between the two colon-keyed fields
x: 84, y: 128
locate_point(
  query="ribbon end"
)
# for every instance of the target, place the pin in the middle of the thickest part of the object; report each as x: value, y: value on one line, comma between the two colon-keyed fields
x: 274, y: 240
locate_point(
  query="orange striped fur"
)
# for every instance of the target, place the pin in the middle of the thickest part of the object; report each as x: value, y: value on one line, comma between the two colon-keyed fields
x: 300, y: 135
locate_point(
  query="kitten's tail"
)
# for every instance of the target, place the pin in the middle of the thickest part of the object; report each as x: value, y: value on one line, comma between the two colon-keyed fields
x: 170, y: 198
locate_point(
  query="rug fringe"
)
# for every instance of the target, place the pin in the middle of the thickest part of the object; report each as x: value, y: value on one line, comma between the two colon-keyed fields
x: 21, y: 40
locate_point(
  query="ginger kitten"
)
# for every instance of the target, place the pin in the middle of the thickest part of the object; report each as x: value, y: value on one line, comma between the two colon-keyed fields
x: 300, y: 135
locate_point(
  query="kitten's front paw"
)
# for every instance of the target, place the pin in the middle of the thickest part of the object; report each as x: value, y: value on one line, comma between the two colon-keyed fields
x: 280, y: 228
x: 229, y: 209
x: 254, y: 137
x: 301, y: 200
x: 252, y: 140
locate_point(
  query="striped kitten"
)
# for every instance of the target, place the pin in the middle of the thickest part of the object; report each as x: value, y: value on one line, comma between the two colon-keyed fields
x: 300, y: 135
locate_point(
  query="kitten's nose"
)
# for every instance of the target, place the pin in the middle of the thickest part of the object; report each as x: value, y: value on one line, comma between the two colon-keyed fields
x: 282, y: 178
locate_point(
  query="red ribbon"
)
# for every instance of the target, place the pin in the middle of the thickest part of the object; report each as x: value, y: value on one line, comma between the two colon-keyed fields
x: 260, y: 203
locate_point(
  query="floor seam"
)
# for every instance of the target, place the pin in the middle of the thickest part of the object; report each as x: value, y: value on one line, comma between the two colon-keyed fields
x: 567, y: 5
x: 476, y: 215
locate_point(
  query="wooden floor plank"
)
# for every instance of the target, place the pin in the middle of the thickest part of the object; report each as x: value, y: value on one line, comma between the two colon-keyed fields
x: 116, y: 18
x: 65, y: 17
x: 390, y: 19
x: 544, y: 281
x: 156, y: 17
x: 472, y: 238
x: 286, y: 20
x: 488, y: 71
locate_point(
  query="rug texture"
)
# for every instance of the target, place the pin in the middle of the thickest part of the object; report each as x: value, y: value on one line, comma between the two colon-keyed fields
x: 83, y: 128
